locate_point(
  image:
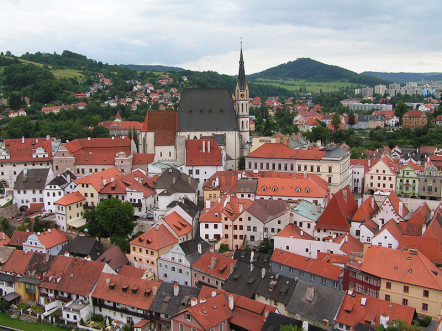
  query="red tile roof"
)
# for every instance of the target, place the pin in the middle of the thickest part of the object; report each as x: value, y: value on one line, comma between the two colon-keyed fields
x: 20, y: 150
x: 4, y: 239
x: 143, y: 158
x: 404, y: 267
x: 292, y: 231
x: 164, y: 123
x: 56, y: 271
x: 417, y: 222
x: 281, y: 151
x: 333, y: 258
x: 338, y: 212
x: 222, y: 266
x: 349, y: 244
x: 414, y: 113
x: 129, y: 271
x: 99, y: 146
x: 99, y: 179
x: 430, y: 247
x: 17, y: 262
x: 365, y: 210
x: 178, y: 224
x: 121, y: 125
x: 70, y: 198
x: 393, y: 228
x: 51, y: 238
x: 155, y: 238
x: 18, y: 237
x: 203, y: 152
x: 357, y: 308
x: 125, y: 290
x: 313, y: 266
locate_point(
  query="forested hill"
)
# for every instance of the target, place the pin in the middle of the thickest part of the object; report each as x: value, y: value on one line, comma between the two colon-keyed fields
x: 305, y: 68
x: 404, y: 77
x: 151, y: 67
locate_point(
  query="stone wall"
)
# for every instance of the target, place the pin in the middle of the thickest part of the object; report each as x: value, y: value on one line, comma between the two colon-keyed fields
x: 9, y: 211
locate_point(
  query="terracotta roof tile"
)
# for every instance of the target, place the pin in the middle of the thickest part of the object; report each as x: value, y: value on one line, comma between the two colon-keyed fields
x: 365, y: 210
x: 292, y: 231
x: 222, y: 266
x: 18, y: 237
x: 393, y: 228
x: 70, y: 198
x: 203, y: 152
x: 164, y: 123
x: 178, y: 224
x: 51, y: 238
x: 17, y: 262
x: 98, y: 179
x: 430, y: 247
x: 20, y: 150
x: 155, y: 238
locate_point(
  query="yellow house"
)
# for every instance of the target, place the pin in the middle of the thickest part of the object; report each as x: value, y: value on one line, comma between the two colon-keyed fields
x: 69, y: 211
x: 147, y: 248
x: 408, y: 278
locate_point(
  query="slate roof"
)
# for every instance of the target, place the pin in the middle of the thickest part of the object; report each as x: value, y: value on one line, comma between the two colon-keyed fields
x: 35, y: 179
x: 206, y: 109
x: 275, y: 321
x: 324, y: 304
x: 243, y: 280
x: 83, y: 246
x: 259, y: 260
x: 276, y: 287
x: 173, y: 180
x: 267, y: 210
x: 247, y: 185
x: 61, y: 180
x: 165, y: 302
x: 187, y: 205
x: 190, y: 248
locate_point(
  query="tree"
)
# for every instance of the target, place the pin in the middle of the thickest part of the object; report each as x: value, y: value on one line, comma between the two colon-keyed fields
x: 290, y: 327
x: 241, y: 163
x: 336, y: 121
x: 111, y: 218
x: 400, y: 110
x: 266, y: 246
x: 351, y: 118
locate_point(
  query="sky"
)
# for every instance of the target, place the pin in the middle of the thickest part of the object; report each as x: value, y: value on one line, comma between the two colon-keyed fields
x: 202, y: 35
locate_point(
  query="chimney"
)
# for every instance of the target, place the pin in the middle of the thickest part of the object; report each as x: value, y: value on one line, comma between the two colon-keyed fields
x: 232, y: 267
x: 231, y: 302
x: 208, y: 146
x: 305, y: 174
x: 372, y: 203
x: 157, y: 227
x: 207, y: 204
x: 252, y: 255
x: 22, y: 140
x: 302, y: 233
x: 213, y: 293
x: 193, y: 301
x: 204, y: 146
x: 401, y: 208
x: 305, y: 326
x: 47, y: 254
x: 251, y: 267
x: 36, y: 140
x: 108, y: 280
x: 363, y: 301
x: 241, y: 208
x: 310, y: 293
x: 424, y: 227
x: 318, y: 143
x: 313, y: 208
x: 263, y: 273
x: 319, y: 208
x: 154, y: 290
x: 213, y: 262
x: 176, y: 290
x: 88, y: 138
x: 298, y: 136
x: 344, y: 195
x: 266, y: 315
x: 199, y: 248
x: 173, y: 180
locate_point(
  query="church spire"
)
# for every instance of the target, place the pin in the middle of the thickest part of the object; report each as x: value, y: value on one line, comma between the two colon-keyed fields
x: 241, y: 74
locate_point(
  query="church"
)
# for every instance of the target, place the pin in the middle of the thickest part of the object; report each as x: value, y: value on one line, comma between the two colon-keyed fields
x: 203, y: 113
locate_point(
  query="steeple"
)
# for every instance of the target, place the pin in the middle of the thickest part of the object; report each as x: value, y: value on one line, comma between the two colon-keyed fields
x: 242, y: 73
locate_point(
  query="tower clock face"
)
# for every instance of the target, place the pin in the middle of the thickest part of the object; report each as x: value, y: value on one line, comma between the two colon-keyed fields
x: 242, y: 95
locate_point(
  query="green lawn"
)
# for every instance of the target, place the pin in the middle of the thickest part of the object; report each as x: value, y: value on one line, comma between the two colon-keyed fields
x: 68, y: 73
x: 25, y: 326
x: 313, y: 87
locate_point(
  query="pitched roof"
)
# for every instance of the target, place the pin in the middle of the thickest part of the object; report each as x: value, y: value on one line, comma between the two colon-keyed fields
x: 396, y: 203
x: 243, y: 280
x: 18, y: 237
x: 206, y: 109
x: 406, y: 267
x: 93, y: 146
x: 414, y: 113
x: 275, y: 321
x: 215, y: 264
x: 203, y: 152
x: 51, y: 238
x: 114, y: 257
x: 129, y: 271
x: 178, y: 224
x: 338, y: 212
x: 276, y: 287
x: 349, y: 244
x: 357, y: 308
x: 393, y: 228
x: 17, y: 262
x: 414, y: 224
x: 430, y: 247
x: 125, y: 290
x: 84, y: 246
x: 80, y: 277
x: 172, y: 181
x: 292, y: 231
x: 31, y: 179
x: 56, y: 271
x: 365, y: 210
x: 281, y: 151
x: 315, y: 302
x: 173, y: 298
x: 99, y: 179
x: 70, y: 198
x: 190, y: 248
x: 21, y: 150
x: 259, y: 260
x: 139, y: 158
x: 164, y: 123
x: 155, y: 238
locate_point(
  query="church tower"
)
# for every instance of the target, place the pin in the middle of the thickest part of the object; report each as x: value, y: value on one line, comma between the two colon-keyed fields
x: 242, y: 105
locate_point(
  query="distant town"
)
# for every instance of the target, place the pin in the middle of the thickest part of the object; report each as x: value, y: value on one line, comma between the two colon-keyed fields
x: 155, y: 203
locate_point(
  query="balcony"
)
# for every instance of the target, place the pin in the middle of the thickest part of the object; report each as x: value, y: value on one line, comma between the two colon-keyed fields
x: 122, y: 310
x: 64, y: 299
x: 87, y: 207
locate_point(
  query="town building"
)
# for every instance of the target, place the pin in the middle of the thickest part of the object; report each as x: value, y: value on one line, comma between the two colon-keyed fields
x: 212, y: 269
x: 50, y: 241
x: 69, y: 211
x: 414, y: 119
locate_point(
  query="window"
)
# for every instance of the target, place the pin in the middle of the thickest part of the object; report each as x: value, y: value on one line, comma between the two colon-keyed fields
x: 312, y: 277
x: 188, y: 316
x: 197, y: 172
x: 388, y: 285
x: 425, y: 307
x: 426, y: 294
x: 405, y: 302
x: 323, y: 281
x: 181, y: 327
x: 406, y: 289
x: 387, y: 297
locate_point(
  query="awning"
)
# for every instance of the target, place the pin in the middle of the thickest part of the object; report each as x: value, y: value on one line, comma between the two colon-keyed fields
x: 11, y: 296
x: 77, y: 223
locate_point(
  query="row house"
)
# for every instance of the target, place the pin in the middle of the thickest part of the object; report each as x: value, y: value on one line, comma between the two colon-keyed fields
x: 29, y: 186
x: 309, y: 270
x: 178, y: 226
x: 407, y: 182
x: 146, y: 249
x: 390, y: 118
x: 18, y: 154
x: 174, y: 266
x: 357, y: 170
x: 330, y: 163
x: 295, y: 240
x: 57, y: 188
x: 382, y: 176
x: 187, y: 210
x: 304, y: 215
x: 69, y: 211
x: 409, y: 279
x: 430, y: 183
x: 202, y: 158
x: 125, y: 298
x: 212, y: 269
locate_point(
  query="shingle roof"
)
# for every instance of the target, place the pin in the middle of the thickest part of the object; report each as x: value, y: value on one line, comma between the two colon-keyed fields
x: 84, y: 246
x: 34, y: 179
x: 114, y: 257
x: 243, y: 280
x: 323, y: 304
x: 166, y: 302
x: 276, y: 287
x: 259, y: 260
x: 187, y: 205
x: 172, y: 180
x: 206, y: 109
x: 190, y: 248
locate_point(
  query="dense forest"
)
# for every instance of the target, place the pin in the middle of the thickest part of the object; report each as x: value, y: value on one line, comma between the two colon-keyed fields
x: 305, y: 68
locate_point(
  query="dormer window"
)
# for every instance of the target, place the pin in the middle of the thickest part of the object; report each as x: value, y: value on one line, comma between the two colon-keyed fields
x: 274, y: 189
x: 124, y: 288
x: 112, y: 286
x: 188, y: 317
x: 263, y: 188
x: 298, y: 189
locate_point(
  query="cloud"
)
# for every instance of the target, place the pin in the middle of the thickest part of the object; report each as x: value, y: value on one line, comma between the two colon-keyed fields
x: 204, y: 35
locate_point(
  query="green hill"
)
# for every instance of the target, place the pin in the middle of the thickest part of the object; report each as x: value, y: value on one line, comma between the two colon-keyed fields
x: 404, y: 77
x: 314, y: 71
x: 151, y: 67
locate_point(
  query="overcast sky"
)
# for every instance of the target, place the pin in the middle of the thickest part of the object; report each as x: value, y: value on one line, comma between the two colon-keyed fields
x: 389, y: 35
